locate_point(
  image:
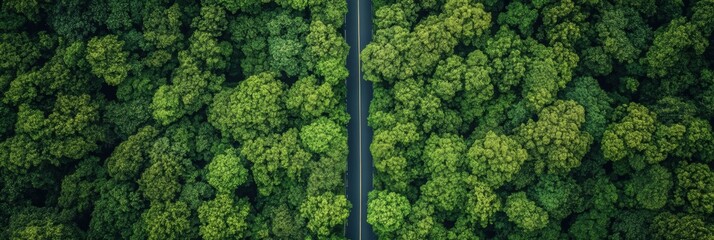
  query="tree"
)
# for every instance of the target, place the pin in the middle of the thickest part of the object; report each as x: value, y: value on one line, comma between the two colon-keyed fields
x: 524, y: 212
x: 520, y: 16
x: 484, y: 204
x: 556, y: 141
x: 309, y: 100
x: 559, y: 196
x: 274, y: 158
x: 496, y: 158
x: 444, y: 155
x: 107, y: 59
x: 326, y: 53
x: 226, y: 172
x: 587, y: 93
x: 671, y: 44
x: 117, y: 212
x: 324, y: 137
x: 324, y: 212
x: 387, y: 211
x: 681, y: 226
x: 639, y: 136
x: 650, y: 188
x: 224, y: 218
x: 166, y: 220
x: 254, y: 108
x: 695, y: 187
x: 128, y: 158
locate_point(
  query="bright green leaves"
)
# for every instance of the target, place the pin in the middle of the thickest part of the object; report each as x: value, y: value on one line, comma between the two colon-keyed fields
x: 525, y: 213
x: 422, y: 47
x: 445, y: 192
x: 327, y: 53
x: 496, y: 158
x: 386, y: 211
x: 172, y: 120
x: 325, y: 212
x: 556, y: 195
x: 39, y: 223
x: 286, y: 43
x: 107, y: 59
x: 192, y: 88
x: 632, y: 133
x: 224, y: 218
x: 478, y: 124
x: 477, y: 86
x: 322, y: 136
x: 195, y: 80
x: 275, y: 158
x: 116, y: 211
x: 254, y: 108
x: 695, y: 186
x: 163, y: 27
x: 309, y: 100
x: 444, y: 155
x: 556, y: 140
x: 389, y: 149
x: 448, y: 78
x: 483, y: 204
x: 18, y: 52
x: 226, y: 172
x: 640, y: 137
x: 613, y: 32
x: 166, y: 221
x: 465, y: 19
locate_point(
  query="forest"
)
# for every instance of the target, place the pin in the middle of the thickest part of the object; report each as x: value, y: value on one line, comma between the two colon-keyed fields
x: 543, y: 119
x: 157, y: 119
x: 226, y: 119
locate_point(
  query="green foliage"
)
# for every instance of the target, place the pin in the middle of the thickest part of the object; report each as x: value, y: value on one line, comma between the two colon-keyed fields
x: 555, y: 140
x: 650, y: 188
x: 695, y: 187
x: 681, y: 226
x: 484, y: 204
x: 254, y: 108
x: 325, y: 212
x: 525, y: 213
x: 496, y: 158
x: 386, y: 211
x: 323, y: 137
x: 226, y: 172
x: 107, y: 59
x: 559, y: 120
x: 172, y: 120
x: 275, y: 158
x: 166, y: 220
x: 223, y: 218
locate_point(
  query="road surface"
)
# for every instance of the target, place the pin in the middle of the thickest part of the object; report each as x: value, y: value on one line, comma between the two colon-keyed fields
x: 358, y: 31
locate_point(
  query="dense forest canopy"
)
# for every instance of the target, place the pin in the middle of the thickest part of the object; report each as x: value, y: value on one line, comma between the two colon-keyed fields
x: 134, y: 119
x: 224, y: 119
x: 544, y: 119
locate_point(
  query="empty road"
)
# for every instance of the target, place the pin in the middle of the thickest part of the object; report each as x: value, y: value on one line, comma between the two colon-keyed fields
x: 358, y: 30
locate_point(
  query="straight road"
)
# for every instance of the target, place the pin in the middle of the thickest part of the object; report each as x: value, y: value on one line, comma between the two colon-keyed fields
x: 358, y: 32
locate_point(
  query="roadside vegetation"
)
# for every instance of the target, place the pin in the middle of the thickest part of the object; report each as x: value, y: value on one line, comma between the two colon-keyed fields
x: 542, y: 119
x: 172, y: 119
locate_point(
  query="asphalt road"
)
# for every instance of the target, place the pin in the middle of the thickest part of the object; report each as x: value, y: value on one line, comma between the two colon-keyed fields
x: 358, y: 32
